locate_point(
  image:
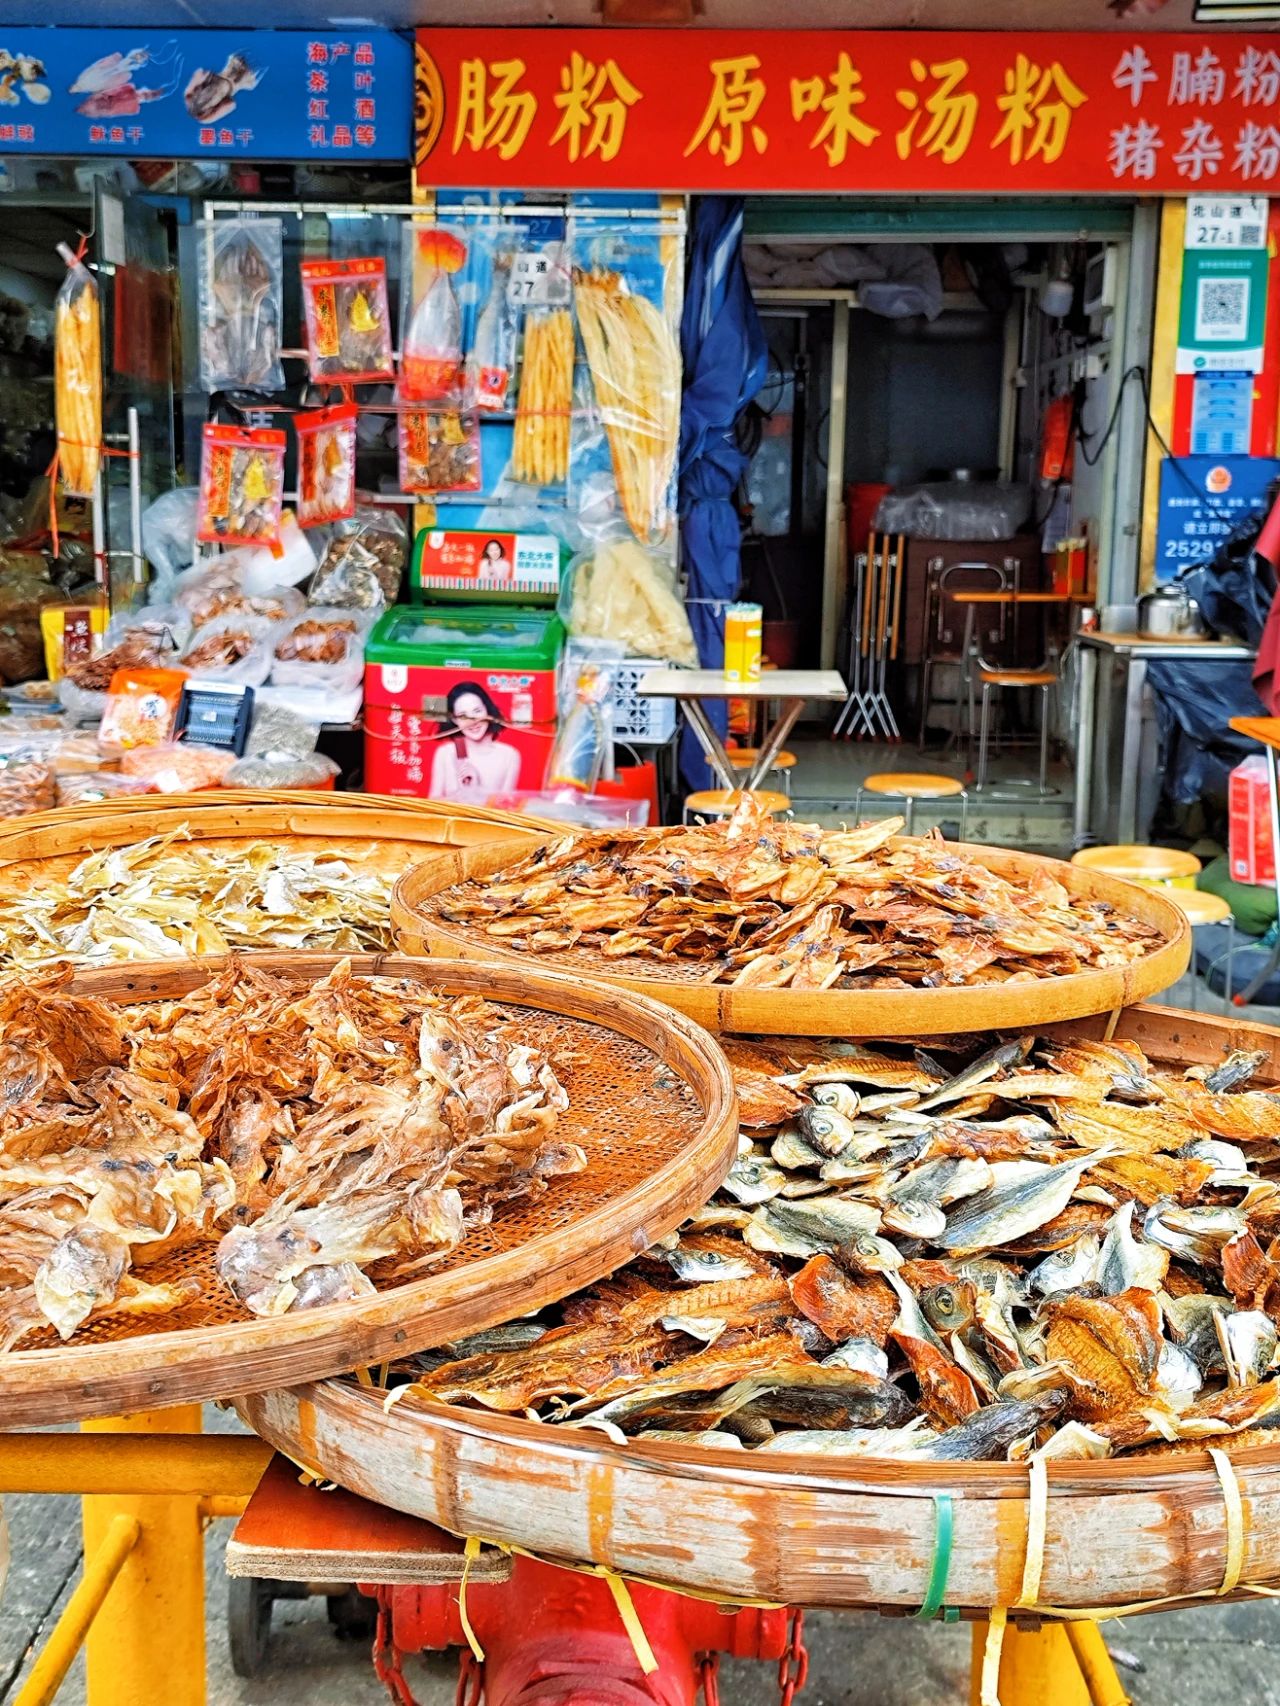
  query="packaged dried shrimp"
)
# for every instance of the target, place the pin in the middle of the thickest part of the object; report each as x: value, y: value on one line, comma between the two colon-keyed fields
x: 544, y: 407
x: 169, y: 897
x: 314, y: 1131
x: 1052, y: 1247
x: 77, y: 360
x: 438, y: 453
x: 176, y: 767
x: 142, y: 706
x: 635, y: 373
x: 766, y: 905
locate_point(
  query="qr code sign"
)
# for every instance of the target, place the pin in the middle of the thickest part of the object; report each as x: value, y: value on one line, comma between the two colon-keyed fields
x: 1222, y: 309
x: 1251, y: 236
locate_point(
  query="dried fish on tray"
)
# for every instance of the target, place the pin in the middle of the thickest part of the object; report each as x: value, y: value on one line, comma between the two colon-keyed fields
x: 747, y: 924
x: 169, y: 895
x: 1046, y: 1247
x: 269, y: 1167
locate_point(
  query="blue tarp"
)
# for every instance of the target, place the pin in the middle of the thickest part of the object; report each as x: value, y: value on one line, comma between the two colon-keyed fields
x: 725, y: 361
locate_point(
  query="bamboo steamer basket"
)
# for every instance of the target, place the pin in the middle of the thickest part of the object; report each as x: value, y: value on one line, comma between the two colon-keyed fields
x: 847, y: 1013
x: 807, y: 1529
x: 651, y: 1101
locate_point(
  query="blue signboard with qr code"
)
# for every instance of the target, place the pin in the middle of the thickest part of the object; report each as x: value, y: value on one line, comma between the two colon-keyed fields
x: 1202, y: 500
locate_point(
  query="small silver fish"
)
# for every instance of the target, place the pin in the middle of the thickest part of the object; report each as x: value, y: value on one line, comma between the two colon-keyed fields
x: 1178, y: 1375
x: 714, y: 1215
x: 805, y: 1185
x: 913, y: 1217
x: 1024, y: 1195
x: 842, y: 1097
x: 1227, y: 1159
x: 978, y: 1072
x: 1196, y: 1234
x: 701, y: 1267
x: 989, y: 1433
x: 791, y: 1151
x: 1123, y: 1262
x: 1193, y: 1321
x: 869, y: 1254
x: 1069, y: 1268
x: 1237, y: 1069
x: 753, y: 1181
x: 1248, y: 1340
x: 862, y: 1355
x: 809, y: 1226
x: 826, y: 1129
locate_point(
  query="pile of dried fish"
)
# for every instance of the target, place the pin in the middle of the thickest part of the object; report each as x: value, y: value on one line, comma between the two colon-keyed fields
x: 315, y: 1130
x: 768, y: 905
x: 170, y: 897
x: 1055, y: 1248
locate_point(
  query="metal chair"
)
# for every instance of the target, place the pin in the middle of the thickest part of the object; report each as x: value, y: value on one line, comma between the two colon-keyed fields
x: 938, y: 631
x: 912, y: 786
x: 720, y: 802
x: 1046, y: 680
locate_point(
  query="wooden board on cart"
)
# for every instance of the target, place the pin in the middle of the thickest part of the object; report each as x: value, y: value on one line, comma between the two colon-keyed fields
x: 832, y: 1012
x: 809, y: 1529
x: 651, y: 1101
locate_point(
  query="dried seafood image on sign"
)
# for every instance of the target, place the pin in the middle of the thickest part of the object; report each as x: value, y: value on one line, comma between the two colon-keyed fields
x: 170, y: 896
x: 976, y: 1252
x: 763, y: 905
x: 314, y: 1130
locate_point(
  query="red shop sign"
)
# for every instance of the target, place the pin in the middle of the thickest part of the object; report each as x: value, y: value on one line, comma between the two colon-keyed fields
x: 847, y: 110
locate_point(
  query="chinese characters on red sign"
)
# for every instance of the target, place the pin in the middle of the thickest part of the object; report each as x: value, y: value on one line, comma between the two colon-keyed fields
x: 852, y: 110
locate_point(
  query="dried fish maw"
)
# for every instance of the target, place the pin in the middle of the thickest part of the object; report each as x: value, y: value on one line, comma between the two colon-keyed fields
x: 842, y: 1306
x: 1110, y: 1346
x: 82, y: 1272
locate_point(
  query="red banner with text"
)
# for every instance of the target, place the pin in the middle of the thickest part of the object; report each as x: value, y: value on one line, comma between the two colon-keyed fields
x: 847, y: 110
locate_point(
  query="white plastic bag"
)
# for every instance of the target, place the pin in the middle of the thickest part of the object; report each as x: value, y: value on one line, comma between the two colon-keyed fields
x: 236, y: 647
x: 169, y: 537
x: 324, y: 647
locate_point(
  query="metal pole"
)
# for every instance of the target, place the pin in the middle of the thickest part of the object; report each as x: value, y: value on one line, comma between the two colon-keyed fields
x: 147, y: 1647
x: 56, y: 1658
x: 135, y: 500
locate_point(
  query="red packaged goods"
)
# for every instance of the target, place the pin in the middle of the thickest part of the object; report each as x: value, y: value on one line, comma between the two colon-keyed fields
x: 438, y: 453
x: 326, y: 464
x: 348, y: 326
x: 241, y: 485
x: 1251, y: 849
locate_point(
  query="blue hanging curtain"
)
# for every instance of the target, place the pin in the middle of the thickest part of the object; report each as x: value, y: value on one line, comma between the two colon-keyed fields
x: 725, y: 362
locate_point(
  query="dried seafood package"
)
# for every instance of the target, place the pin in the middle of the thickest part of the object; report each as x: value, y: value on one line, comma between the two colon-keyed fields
x: 763, y: 905
x: 364, y: 561
x: 142, y: 707
x: 431, y: 353
x: 28, y: 784
x: 307, y: 1132
x: 233, y: 647
x: 241, y: 485
x: 438, y: 453
x: 240, y: 297
x: 348, y: 322
x: 1032, y: 1246
x: 326, y: 464
x: 77, y: 360
x: 322, y: 648
x: 544, y: 407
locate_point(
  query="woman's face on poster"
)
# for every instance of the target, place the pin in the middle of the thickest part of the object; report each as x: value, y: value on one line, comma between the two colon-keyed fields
x: 470, y: 715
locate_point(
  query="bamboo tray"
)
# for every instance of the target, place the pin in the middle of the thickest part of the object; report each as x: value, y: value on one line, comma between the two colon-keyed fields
x: 833, y: 1012
x: 651, y: 1101
x: 807, y: 1529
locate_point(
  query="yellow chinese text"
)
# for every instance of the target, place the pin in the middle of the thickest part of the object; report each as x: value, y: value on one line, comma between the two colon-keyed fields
x: 493, y: 111
x: 1040, y: 103
x: 838, y: 103
x: 951, y: 111
x: 736, y: 94
x: 593, y: 104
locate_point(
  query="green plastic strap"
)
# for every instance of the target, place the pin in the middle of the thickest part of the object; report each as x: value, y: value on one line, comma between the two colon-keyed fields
x: 940, y: 1569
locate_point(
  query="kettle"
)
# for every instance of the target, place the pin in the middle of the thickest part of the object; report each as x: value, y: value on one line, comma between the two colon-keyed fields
x: 1170, y: 612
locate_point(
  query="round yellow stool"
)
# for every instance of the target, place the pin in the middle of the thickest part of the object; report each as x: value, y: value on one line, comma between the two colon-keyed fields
x: 744, y: 757
x: 1158, y: 867
x: 719, y: 802
x: 913, y: 785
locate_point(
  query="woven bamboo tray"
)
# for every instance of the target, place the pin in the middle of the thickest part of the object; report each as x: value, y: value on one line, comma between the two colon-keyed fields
x: 651, y: 1102
x: 832, y: 1012
x: 805, y: 1529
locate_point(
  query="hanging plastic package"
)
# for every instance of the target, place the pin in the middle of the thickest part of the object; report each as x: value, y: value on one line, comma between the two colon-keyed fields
x: 431, y: 354
x: 348, y: 323
x: 438, y: 452
x: 326, y: 464
x: 241, y: 485
x: 619, y: 591
x: 77, y: 360
x: 634, y: 362
x: 240, y: 303
x: 544, y: 410
x: 582, y: 741
x: 492, y: 362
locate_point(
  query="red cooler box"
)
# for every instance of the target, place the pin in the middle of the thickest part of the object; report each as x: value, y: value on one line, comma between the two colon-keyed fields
x: 1253, y: 858
x: 459, y: 701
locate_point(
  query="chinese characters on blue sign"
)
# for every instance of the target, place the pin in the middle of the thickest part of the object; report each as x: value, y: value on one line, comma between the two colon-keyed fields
x: 1202, y: 500
x: 262, y: 94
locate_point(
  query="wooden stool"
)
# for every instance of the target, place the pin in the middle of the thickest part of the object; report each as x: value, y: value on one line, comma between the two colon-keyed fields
x: 1157, y: 867
x: 1046, y: 680
x: 720, y: 802
x: 743, y: 757
x: 913, y: 785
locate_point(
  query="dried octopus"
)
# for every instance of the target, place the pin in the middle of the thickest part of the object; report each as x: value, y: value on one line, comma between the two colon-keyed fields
x: 313, y: 1129
x: 768, y: 905
x: 1049, y: 1247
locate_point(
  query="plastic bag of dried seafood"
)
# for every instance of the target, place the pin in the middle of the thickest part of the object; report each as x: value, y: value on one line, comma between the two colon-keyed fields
x: 148, y: 638
x: 92, y: 785
x: 236, y: 647
x: 324, y: 647
x: 174, y: 767
x: 27, y: 785
x: 281, y: 770
x: 363, y: 563
x: 619, y: 591
x: 217, y: 588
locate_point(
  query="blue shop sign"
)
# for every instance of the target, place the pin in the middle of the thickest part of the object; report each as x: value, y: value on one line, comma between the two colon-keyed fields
x: 1202, y: 500
x: 184, y: 94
